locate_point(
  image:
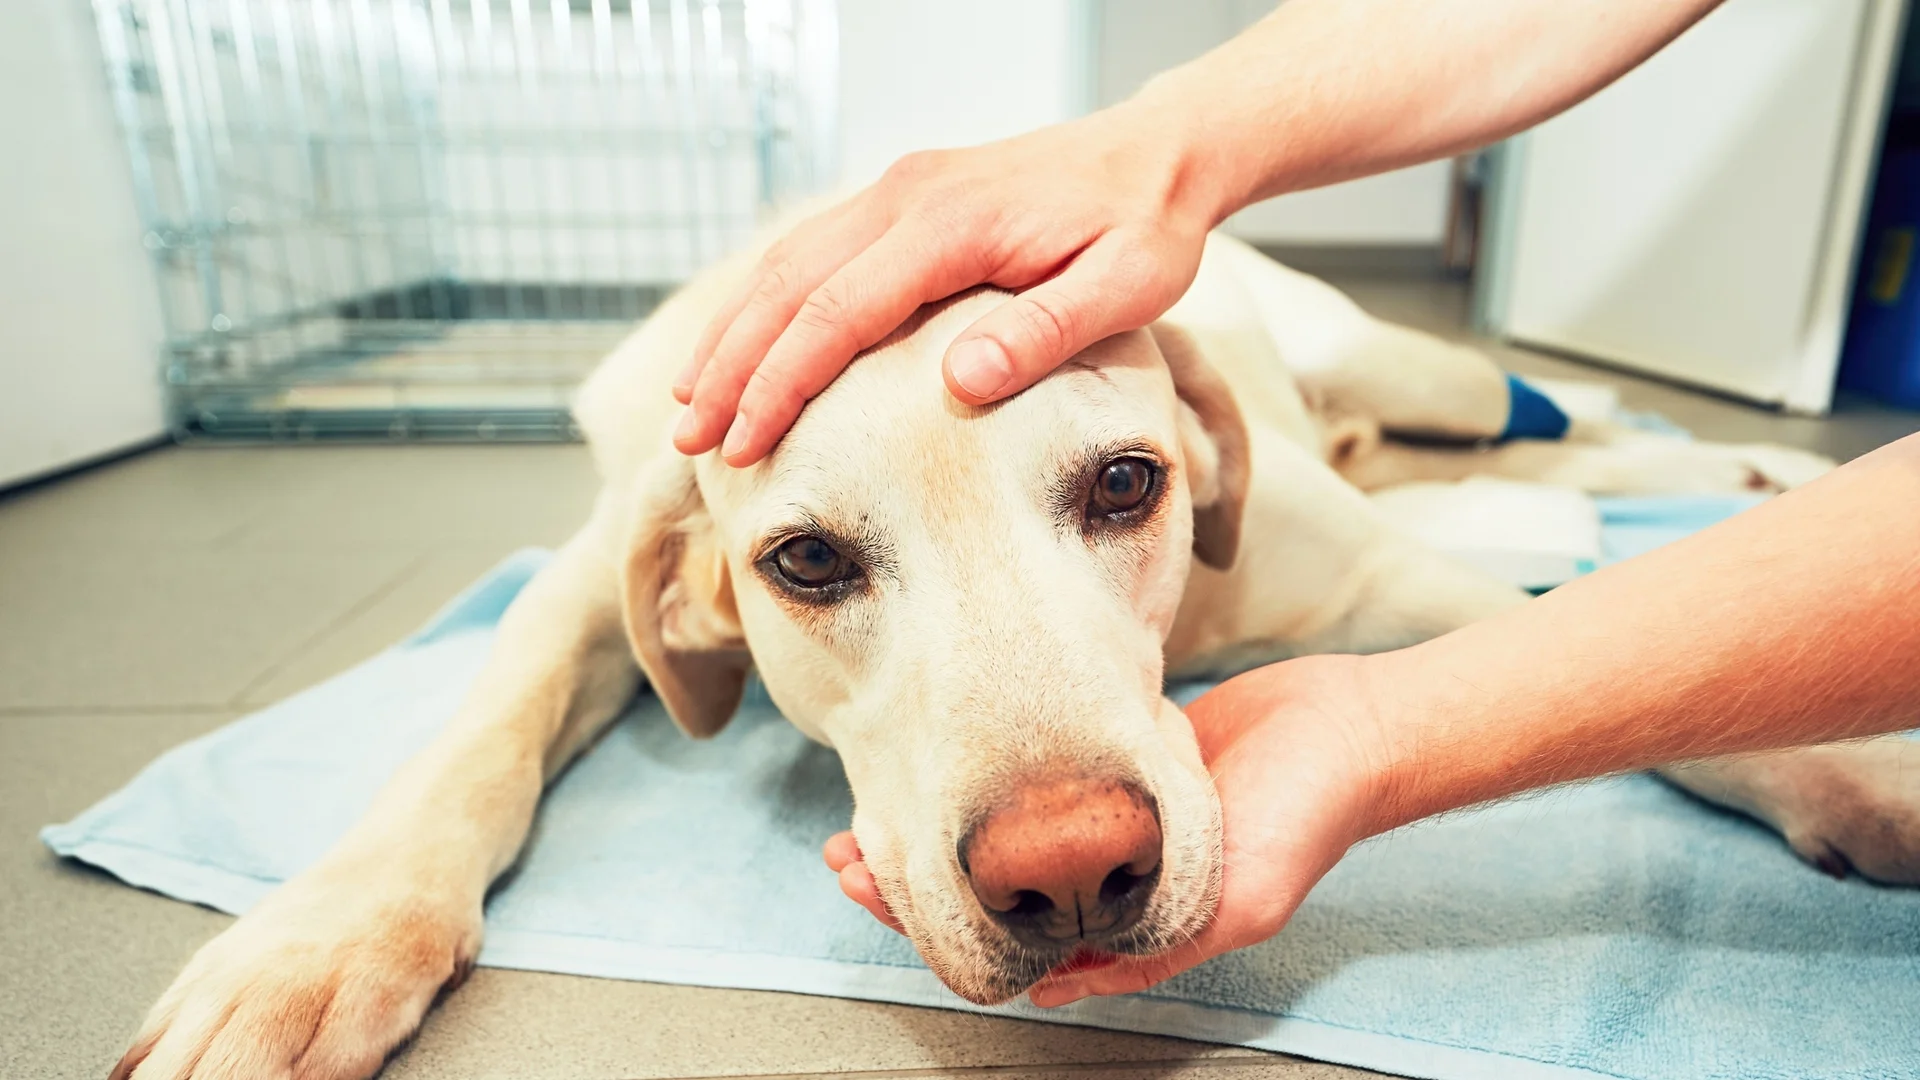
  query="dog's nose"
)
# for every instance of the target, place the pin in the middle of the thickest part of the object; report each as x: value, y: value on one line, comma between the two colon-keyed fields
x: 1066, y: 861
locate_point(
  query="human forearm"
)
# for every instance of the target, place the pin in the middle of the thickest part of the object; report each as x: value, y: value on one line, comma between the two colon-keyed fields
x: 1327, y: 90
x: 1797, y: 622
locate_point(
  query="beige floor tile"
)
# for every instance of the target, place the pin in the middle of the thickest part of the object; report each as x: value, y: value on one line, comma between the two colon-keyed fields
x: 383, y: 619
x: 527, y: 1026
x: 1264, y: 1067
x: 424, y: 498
x: 169, y: 498
x: 82, y: 956
x: 151, y: 627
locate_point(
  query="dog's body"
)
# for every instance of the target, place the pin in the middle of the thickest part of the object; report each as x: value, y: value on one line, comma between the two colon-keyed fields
x: 977, y: 607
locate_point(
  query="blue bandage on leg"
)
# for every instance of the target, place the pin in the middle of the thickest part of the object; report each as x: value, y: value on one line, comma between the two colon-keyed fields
x: 1531, y: 414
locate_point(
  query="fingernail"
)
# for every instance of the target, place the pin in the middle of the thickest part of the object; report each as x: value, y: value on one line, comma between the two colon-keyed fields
x: 736, y: 438
x: 685, y: 429
x: 980, y: 367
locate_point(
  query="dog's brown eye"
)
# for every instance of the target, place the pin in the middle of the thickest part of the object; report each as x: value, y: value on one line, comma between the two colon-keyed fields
x: 812, y: 563
x: 1122, y: 485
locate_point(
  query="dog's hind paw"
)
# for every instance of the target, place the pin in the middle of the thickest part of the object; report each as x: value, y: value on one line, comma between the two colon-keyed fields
x: 1779, y: 468
x: 1849, y: 807
x: 1857, y: 807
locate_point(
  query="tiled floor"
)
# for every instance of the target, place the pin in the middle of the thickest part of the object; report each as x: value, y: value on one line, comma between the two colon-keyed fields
x: 149, y: 601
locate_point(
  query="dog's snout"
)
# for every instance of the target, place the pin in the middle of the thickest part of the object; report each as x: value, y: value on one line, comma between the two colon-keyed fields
x: 1066, y: 861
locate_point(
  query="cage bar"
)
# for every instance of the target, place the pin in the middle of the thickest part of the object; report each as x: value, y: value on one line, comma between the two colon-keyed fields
x: 429, y: 218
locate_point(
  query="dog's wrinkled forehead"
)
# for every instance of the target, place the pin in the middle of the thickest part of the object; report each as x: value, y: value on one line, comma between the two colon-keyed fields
x: 887, y: 433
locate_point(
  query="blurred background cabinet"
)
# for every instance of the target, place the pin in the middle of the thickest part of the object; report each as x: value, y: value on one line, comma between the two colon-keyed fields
x: 1700, y: 219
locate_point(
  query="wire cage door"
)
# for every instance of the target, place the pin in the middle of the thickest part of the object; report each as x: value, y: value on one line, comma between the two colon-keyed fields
x: 430, y: 218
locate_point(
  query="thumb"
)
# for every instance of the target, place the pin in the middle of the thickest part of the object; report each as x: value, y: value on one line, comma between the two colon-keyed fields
x: 1113, y: 285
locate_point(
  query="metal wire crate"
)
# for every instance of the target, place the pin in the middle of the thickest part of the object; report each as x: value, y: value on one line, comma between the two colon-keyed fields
x: 429, y: 218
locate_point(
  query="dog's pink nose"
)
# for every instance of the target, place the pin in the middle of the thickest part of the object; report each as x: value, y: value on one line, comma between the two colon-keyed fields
x: 1065, y: 861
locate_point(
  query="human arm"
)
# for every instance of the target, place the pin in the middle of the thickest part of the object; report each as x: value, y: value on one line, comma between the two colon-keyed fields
x: 1796, y: 622
x: 1099, y: 222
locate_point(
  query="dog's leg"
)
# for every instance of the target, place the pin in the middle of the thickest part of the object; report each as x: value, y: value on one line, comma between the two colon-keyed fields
x: 1408, y: 383
x: 1845, y: 806
x: 334, y: 969
x: 1347, y: 363
x: 1599, y: 461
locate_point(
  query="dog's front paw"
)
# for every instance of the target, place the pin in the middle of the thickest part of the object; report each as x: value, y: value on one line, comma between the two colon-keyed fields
x: 319, y: 982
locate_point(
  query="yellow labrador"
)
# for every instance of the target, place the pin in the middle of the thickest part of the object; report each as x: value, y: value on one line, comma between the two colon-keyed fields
x: 978, y: 609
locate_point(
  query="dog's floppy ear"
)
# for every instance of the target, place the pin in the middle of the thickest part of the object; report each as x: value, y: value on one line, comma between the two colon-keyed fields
x: 677, y: 601
x: 1213, y: 439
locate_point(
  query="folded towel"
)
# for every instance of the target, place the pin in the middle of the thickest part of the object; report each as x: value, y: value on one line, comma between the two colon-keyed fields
x: 1534, y: 536
x: 1612, y: 929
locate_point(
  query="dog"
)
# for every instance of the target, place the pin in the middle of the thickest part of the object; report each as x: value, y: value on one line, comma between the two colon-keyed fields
x: 978, y: 608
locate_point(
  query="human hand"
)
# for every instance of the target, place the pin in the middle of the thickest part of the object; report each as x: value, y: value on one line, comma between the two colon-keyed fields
x: 1296, y: 752
x: 1100, y: 221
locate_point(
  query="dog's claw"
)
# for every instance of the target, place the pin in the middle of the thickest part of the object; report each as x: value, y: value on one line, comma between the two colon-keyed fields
x: 1832, y: 863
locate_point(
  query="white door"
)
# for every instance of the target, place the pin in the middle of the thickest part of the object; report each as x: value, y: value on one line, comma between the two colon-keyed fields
x: 1697, y: 220
x: 80, y: 328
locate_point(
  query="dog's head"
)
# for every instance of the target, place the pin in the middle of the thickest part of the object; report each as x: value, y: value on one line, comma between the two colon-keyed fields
x: 970, y: 604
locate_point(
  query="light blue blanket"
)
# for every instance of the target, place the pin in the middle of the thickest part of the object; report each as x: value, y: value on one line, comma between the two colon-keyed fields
x: 1615, y: 929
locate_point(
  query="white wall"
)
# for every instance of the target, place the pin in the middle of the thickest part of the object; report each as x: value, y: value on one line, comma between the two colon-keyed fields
x: 80, y: 329
x: 1405, y: 207
x: 1140, y: 38
x: 916, y: 76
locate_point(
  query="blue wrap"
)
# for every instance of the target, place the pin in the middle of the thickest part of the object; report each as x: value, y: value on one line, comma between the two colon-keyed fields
x: 1531, y: 414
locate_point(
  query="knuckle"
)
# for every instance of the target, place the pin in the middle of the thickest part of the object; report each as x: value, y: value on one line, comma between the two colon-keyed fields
x: 776, y: 253
x: 914, y: 167
x: 767, y: 394
x: 827, y: 318
x: 1048, y: 324
x: 779, y: 278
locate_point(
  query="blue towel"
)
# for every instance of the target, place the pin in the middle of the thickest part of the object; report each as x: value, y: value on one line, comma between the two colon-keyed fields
x: 1611, y: 929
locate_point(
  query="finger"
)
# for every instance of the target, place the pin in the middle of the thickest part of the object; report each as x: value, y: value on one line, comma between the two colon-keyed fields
x: 841, y: 850
x: 860, y: 888
x: 1115, y: 284
x: 723, y: 317
x: 1125, y: 977
x: 784, y: 280
x: 861, y: 304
